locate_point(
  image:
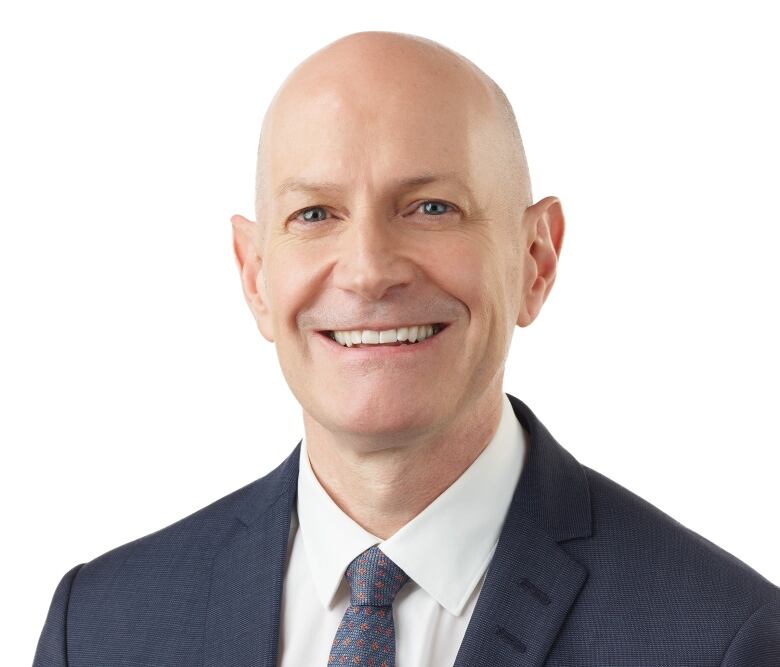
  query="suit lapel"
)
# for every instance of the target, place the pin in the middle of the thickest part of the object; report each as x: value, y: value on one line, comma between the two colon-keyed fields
x: 529, y: 588
x: 531, y: 582
x: 242, y: 619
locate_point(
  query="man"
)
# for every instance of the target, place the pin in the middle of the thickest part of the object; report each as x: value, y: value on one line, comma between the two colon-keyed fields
x: 426, y: 518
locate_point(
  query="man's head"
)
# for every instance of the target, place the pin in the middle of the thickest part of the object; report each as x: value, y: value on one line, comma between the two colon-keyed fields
x: 392, y: 190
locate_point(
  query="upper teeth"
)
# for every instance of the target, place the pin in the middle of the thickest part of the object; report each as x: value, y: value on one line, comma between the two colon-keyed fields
x: 413, y: 334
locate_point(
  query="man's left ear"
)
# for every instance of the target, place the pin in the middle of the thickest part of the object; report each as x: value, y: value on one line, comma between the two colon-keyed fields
x: 545, y: 224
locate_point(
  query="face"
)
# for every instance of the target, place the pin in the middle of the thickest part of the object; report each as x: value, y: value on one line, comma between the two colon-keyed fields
x: 383, y: 205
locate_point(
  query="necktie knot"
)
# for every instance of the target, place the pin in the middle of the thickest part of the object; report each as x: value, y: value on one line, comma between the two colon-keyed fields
x: 374, y: 579
x: 366, y: 634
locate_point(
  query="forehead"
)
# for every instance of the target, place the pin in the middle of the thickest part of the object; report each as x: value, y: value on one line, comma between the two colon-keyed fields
x: 376, y: 131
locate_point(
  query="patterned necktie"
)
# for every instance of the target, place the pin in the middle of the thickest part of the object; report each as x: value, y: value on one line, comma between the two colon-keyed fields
x: 366, y: 635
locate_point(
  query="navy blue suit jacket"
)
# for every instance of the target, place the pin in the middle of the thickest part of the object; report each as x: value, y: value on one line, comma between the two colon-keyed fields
x: 585, y: 574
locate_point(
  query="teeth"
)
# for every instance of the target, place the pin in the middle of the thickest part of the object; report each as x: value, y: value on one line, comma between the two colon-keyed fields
x: 413, y: 334
x: 390, y: 336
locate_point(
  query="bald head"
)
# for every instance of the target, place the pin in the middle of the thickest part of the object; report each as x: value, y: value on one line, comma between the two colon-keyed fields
x: 375, y: 73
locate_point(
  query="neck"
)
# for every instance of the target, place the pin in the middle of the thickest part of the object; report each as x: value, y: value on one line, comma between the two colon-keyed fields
x: 382, y: 489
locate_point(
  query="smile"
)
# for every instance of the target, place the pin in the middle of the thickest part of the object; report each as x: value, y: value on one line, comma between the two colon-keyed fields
x: 398, y: 337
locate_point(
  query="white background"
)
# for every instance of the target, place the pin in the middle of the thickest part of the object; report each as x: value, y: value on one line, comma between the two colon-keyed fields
x: 135, y: 387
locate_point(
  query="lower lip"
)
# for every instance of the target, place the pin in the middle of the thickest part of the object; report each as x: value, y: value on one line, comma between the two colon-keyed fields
x: 382, y: 351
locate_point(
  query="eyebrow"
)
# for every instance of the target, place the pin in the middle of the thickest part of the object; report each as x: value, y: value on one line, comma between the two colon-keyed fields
x: 294, y: 184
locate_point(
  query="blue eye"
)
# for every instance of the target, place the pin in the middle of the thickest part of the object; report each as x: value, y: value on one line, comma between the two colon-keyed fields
x: 435, y: 204
x: 306, y: 211
x: 433, y: 208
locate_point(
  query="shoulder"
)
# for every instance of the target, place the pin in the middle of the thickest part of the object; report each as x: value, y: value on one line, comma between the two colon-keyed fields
x: 195, y: 538
x: 158, y: 585
x: 625, y: 525
x: 118, y: 598
x: 182, y: 547
x: 648, y: 574
x: 179, y: 554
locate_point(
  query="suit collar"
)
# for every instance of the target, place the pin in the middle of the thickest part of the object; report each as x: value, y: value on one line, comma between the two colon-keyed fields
x: 244, y: 604
x: 553, y: 490
x: 528, y: 591
x: 264, y: 492
x: 532, y: 582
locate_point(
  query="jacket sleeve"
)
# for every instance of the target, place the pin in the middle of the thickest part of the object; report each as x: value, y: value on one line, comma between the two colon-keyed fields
x: 52, y: 648
x: 757, y: 644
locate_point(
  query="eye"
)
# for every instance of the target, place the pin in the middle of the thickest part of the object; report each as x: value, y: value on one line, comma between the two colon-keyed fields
x: 306, y: 214
x: 315, y: 214
x: 434, y: 207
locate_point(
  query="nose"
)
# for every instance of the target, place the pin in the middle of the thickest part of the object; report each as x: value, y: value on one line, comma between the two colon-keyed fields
x: 372, y: 257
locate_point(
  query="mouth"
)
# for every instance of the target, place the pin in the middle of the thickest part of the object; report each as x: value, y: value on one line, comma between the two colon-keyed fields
x: 404, y: 337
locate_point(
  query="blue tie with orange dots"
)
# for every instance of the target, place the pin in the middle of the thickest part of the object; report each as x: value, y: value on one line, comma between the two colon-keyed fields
x: 366, y: 635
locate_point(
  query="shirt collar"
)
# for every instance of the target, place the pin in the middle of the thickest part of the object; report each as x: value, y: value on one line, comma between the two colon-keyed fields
x: 446, y: 548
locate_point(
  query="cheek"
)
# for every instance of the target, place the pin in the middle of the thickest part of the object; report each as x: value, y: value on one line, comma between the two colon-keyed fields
x: 469, y: 272
x: 290, y: 281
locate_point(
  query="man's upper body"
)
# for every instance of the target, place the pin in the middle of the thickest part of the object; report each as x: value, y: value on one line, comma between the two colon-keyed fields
x: 395, y: 250
x: 584, y: 574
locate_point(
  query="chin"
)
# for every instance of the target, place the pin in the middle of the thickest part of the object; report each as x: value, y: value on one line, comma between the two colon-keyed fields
x: 381, y: 414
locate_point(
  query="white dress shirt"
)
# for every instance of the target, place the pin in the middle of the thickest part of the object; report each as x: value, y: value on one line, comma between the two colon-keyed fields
x: 445, y: 550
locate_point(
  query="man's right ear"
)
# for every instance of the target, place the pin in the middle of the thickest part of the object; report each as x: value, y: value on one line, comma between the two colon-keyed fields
x: 247, y: 253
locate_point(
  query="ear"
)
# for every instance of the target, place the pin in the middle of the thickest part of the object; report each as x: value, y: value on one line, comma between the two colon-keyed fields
x: 545, y: 224
x: 246, y: 247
